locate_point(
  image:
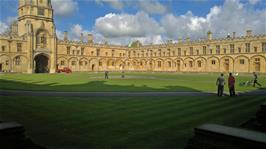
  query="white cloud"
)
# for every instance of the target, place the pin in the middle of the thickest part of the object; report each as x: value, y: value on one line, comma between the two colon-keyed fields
x: 123, y: 25
x: 3, y: 27
x: 59, y: 34
x: 254, y: 2
x: 152, y: 6
x: 63, y: 8
x: 116, y: 4
x: 232, y: 16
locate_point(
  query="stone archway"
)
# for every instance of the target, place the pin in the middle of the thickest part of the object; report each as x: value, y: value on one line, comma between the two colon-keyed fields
x: 41, y: 64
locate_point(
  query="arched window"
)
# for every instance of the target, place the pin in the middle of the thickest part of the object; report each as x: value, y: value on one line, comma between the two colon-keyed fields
x: 41, y: 40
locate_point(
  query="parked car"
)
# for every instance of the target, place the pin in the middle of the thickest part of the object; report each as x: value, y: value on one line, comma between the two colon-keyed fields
x: 65, y: 70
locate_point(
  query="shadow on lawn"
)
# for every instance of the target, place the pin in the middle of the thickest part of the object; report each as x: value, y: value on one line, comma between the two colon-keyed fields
x: 92, y: 86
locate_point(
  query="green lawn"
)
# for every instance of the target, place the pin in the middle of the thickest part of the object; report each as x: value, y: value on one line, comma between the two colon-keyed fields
x: 132, y: 82
x: 122, y: 122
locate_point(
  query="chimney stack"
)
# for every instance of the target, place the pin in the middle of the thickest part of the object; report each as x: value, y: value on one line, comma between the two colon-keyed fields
x: 180, y: 40
x: 249, y: 33
x: 234, y: 34
x: 209, y: 34
x: 188, y: 39
x: 65, y: 36
x: 90, y: 39
x: 81, y: 37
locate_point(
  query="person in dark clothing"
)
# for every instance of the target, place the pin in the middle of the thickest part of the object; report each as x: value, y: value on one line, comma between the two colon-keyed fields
x: 220, y: 83
x: 106, y: 75
x: 255, y: 80
x: 231, y: 84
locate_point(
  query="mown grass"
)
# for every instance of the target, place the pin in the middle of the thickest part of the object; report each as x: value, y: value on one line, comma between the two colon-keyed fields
x: 122, y: 122
x: 132, y: 82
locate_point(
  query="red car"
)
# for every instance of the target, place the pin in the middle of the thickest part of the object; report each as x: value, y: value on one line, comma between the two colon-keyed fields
x: 65, y: 69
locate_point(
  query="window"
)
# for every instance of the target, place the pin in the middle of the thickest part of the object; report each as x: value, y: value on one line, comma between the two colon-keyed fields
x: 213, y: 62
x: 41, y: 11
x: 106, y: 53
x: 247, y: 47
x: 7, y: 62
x: 191, y: 50
x: 210, y: 51
x: 92, y: 53
x: 120, y: 54
x: 3, y: 48
x: 82, y: 51
x: 159, y: 63
x: 73, y: 52
x: 98, y: 52
x: 224, y: 50
x: 81, y: 63
x: 77, y: 52
x: 190, y: 63
x: 17, y: 60
x: 100, y: 63
x: 232, y: 48
x: 217, y: 49
x: 113, y: 63
x: 185, y: 53
x: 257, y: 59
x: 169, y: 64
x: 199, y: 63
x: 263, y: 45
x: 86, y: 63
x: 113, y: 53
x: 255, y: 49
x: 179, y: 51
x: 242, y: 61
x: 68, y: 50
x: 239, y: 50
x: 197, y: 52
x: 204, y: 50
x: 73, y: 63
x: 62, y: 63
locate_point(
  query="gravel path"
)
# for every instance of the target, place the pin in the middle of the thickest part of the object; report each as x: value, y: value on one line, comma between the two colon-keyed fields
x: 260, y: 92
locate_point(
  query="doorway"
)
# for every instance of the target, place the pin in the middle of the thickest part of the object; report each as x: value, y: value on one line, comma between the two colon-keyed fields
x: 41, y: 64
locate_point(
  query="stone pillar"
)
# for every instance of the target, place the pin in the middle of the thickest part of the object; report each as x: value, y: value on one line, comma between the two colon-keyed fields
x: 209, y: 34
x: 90, y: 39
x: 65, y: 36
x: 248, y: 33
x: 81, y: 37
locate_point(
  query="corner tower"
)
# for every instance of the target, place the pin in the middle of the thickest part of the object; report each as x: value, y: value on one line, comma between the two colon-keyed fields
x: 36, y: 25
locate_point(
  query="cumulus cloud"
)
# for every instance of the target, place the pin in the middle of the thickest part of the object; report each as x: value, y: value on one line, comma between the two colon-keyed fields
x: 232, y: 16
x: 152, y: 6
x: 123, y: 25
x: 253, y: 2
x: 63, y: 8
x: 148, y: 6
x: 116, y: 4
x: 3, y: 27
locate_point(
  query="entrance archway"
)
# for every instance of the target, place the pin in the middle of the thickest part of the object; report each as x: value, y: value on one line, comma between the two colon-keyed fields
x: 41, y: 64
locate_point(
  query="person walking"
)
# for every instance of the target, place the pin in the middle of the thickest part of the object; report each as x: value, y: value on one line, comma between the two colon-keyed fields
x: 106, y: 75
x: 220, y: 83
x: 231, y: 84
x: 255, y: 79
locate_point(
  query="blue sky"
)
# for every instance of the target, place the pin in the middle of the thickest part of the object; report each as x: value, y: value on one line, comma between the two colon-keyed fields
x: 150, y: 21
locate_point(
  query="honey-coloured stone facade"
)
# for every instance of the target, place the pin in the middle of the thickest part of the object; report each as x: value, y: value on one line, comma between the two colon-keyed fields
x: 31, y: 46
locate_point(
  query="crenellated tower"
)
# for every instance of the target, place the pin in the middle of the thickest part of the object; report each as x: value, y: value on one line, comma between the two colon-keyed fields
x: 36, y: 23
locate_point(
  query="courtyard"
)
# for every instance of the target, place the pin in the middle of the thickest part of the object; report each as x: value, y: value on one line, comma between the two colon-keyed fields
x: 124, y: 121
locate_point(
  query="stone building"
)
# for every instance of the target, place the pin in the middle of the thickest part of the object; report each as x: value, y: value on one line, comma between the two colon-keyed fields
x: 31, y: 45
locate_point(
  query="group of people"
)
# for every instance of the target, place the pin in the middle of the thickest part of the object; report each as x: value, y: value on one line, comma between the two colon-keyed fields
x: 106, y: 74
x: 231, y: 83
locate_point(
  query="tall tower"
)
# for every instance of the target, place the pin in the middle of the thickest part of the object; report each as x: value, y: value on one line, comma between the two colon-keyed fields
x: 36, y: 23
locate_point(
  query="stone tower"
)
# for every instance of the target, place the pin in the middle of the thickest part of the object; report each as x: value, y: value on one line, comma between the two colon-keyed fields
x: 36, y: 24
